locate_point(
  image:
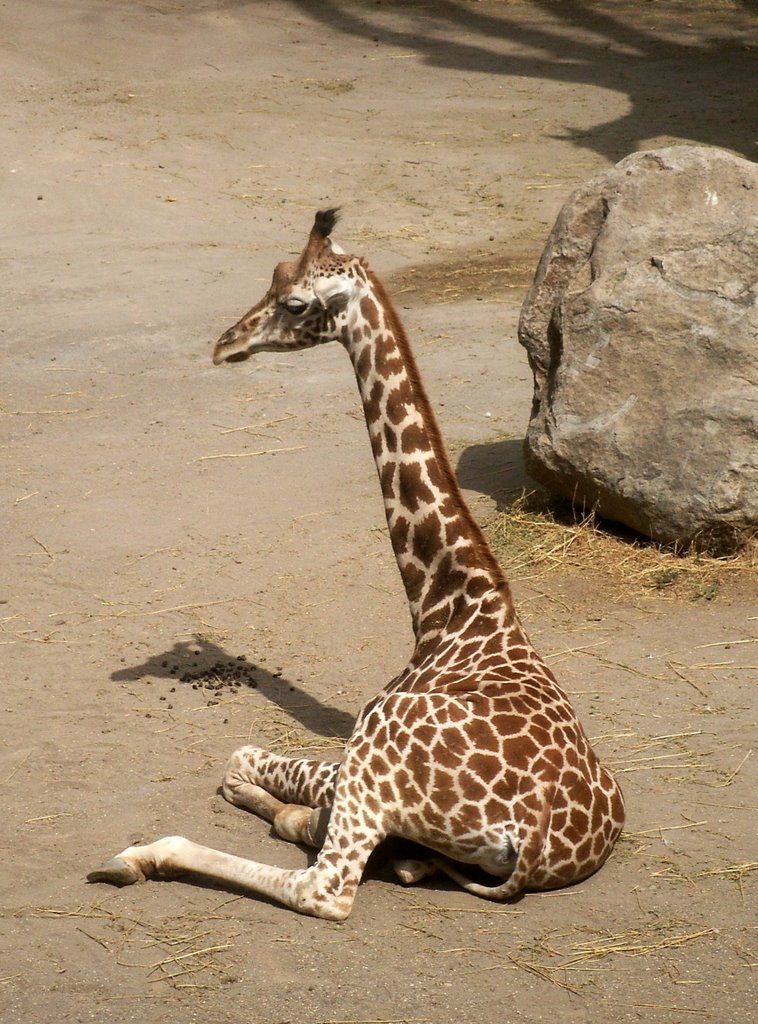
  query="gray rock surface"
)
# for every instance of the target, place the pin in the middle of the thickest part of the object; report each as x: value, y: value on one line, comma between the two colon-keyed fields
x: 642, y: 335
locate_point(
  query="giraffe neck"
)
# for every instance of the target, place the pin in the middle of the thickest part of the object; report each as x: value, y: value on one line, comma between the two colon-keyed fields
x: 445, y: 563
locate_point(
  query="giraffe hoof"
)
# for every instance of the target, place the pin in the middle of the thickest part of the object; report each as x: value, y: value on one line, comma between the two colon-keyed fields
x: 117, y: 872
x: 409, y: 871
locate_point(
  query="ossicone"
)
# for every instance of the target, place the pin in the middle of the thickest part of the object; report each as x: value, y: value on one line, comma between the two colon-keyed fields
x: 325, y: 221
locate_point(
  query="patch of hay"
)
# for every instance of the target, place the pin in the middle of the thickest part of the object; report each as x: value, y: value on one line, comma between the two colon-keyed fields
x: 534, y: 538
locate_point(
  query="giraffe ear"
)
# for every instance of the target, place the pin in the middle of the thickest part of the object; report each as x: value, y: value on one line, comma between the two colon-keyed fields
x: 334, y: 290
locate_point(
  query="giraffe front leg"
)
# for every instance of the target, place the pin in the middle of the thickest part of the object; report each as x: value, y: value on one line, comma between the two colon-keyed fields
x: 284, y: 791
x: 306, y: 825
x: 326, y: 889
x: 265, y: 783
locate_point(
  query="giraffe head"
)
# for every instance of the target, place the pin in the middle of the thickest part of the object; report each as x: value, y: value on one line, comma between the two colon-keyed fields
x: 303, y: 305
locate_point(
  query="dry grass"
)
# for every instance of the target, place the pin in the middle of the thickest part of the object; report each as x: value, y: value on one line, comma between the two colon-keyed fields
x: 534, y: 539
x: 687, y: 756
x: 565, y: 962
x: 572, y: 960
x: 331, y: 86
x: 672, y: 872
x: 274, y: 725
x: 187, y: 947
x: 732, y: 872
x: 481, y: 274
x: 634, y: 942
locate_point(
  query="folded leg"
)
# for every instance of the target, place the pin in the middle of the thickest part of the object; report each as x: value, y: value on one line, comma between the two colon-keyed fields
x: 294, y: 793
x: 325, y: 889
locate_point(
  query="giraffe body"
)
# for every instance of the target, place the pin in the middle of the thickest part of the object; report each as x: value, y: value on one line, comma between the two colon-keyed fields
x: 473, y: 751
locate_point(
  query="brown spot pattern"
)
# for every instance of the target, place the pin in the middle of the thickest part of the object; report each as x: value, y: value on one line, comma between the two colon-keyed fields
x: 473, y: 749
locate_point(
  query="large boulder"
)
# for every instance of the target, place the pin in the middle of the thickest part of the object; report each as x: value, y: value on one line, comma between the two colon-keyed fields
x: 642, y: 335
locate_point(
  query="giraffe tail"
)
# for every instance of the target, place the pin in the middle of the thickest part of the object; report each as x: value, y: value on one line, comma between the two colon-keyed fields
x: 524, y: 858
x: 515, y: 882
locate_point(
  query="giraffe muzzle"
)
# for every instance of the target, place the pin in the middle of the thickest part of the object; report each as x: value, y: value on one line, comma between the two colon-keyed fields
x: 231, y: 348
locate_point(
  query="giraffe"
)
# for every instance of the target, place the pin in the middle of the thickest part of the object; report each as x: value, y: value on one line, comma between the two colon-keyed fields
x: 473, y: 751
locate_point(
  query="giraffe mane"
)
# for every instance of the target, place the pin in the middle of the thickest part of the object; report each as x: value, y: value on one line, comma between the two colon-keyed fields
x: 435, y: 435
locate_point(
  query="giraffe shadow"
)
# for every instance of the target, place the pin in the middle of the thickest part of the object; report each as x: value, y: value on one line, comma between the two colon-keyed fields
x: 203, y: 665
x: 496, y: 469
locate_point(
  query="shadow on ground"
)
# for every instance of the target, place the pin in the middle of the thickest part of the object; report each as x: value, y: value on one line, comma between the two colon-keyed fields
x: 584, y: 44
x: 496, y: 469
x: 207, y: 667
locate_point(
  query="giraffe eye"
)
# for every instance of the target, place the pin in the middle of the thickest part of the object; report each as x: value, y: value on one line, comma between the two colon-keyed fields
x: 295, y: 306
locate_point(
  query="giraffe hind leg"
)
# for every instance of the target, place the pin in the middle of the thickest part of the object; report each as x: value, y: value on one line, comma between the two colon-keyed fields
x: 414, y: 869
x: 411, y: 870
x: 499, y: 862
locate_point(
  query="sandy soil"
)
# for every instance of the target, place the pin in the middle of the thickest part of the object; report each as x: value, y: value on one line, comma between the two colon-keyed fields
x: 162, y: 517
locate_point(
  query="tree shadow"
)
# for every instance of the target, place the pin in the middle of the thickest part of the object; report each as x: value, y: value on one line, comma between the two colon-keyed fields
x: 497, y: 469
x: 205, y: 666
x: 696, y: 91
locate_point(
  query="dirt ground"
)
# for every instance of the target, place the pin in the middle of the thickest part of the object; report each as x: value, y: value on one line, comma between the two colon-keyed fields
x: 163, y: 519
